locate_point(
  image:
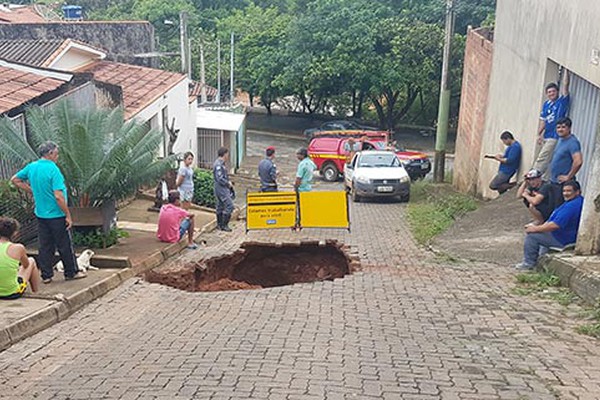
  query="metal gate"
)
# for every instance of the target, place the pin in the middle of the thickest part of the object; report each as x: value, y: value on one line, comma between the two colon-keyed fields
x: 584, y: 112
x: 209, y: 141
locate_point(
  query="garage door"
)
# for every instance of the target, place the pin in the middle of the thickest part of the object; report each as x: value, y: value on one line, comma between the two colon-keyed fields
x: 584, y: 112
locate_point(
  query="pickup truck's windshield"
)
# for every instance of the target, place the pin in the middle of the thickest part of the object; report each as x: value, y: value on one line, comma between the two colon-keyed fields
x: 378, y: 160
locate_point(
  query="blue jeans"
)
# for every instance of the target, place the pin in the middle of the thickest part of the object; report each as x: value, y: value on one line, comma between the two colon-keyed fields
x: 184, y: 227
x: 537, y: 244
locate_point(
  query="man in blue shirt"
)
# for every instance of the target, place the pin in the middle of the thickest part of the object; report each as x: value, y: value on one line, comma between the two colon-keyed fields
x: 567, y: 159
x: 509, y: 163
x: 44, y: 180
x: 304, y: 174
x: 559, y: 231
x: 267, y: 171
x: 554, y: 109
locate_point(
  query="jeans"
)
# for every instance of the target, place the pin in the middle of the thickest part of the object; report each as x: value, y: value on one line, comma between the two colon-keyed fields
x: 184, y: 227
x: 52, y: 235
x: 501, y: 182
x: 537, y: 244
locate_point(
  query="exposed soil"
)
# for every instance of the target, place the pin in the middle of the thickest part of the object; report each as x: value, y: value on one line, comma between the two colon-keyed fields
x: 492, y: 233
x: 257, y: 266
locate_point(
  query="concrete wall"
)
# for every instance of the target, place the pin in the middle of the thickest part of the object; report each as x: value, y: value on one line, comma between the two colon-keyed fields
x: 473, y: 107
x: 120, y: 39
x: 530, y: 39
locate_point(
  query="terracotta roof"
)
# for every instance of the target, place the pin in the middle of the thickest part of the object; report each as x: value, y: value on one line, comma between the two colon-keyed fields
x: 141, y: 85
x: 31, y: 52
x: 20, y: 87
x: 196, y: 90
x: 12, y: 15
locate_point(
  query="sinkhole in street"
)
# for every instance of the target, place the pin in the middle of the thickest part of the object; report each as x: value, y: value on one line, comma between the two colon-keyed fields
x: 257, y: 266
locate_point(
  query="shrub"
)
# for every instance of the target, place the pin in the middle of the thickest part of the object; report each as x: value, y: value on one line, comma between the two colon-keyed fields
x: 95, y: 239
x: 204, y: 188
x: 16, y: 204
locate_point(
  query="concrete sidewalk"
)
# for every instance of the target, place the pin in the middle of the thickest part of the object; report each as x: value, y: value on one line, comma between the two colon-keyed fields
x: 133, y: 255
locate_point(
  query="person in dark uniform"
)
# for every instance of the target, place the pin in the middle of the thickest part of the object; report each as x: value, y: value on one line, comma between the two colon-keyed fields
x: 267, y: 171
x: 223, y: 190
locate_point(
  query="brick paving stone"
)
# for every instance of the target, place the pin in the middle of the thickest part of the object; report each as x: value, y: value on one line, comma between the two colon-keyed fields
x: 407, y: 326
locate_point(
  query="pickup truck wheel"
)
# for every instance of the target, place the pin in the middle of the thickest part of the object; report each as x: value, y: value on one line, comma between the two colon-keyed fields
x: 330, y: 173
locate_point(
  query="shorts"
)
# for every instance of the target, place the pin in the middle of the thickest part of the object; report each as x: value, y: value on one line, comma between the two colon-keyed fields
x: 184, y: 227
x: 186, y: 195
x: 20, y: 291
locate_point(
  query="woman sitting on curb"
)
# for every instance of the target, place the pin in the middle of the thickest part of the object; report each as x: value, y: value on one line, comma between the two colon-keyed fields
x: 14, y: 278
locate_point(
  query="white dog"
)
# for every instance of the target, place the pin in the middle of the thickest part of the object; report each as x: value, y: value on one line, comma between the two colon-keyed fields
x: 83, y: 262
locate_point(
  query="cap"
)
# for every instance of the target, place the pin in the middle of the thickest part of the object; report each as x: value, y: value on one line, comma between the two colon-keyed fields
x: 270, y: 148
x: 533, y: 173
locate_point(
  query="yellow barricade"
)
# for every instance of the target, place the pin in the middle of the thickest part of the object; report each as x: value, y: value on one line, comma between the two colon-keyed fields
x: 266, y: 210
x: 324, y: 210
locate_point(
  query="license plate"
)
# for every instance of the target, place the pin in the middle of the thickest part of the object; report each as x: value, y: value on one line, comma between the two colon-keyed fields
x: 385, y: 189
x: 424, y: 165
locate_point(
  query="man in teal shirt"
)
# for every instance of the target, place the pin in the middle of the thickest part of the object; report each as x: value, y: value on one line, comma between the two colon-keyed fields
x: 44, y: 180
x: 304, y: 175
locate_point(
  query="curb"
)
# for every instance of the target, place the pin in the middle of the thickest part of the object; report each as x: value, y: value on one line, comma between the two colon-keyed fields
x: 63, y: 308
x: 585, y: 284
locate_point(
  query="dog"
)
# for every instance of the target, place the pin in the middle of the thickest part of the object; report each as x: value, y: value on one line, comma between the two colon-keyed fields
x: 83, y: 262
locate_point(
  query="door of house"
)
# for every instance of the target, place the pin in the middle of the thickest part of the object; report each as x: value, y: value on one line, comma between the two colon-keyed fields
x: 209, y: 141
x: 584, y: 112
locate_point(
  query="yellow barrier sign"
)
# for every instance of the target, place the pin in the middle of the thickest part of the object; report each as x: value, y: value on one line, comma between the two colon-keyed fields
x: 269, y: 210
x: 324, y: 210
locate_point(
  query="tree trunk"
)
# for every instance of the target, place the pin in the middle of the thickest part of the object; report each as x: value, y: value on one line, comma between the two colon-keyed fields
x: 251, y: 95
x: 411, y: 97
x: 379, y: 109
x: 359, y: 107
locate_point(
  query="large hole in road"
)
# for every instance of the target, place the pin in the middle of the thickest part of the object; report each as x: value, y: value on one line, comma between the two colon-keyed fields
x: 257, y: 266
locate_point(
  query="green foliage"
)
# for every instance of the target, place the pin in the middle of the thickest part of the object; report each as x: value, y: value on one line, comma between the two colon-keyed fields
x: 593, y: 327
x: 95, y: 239
x: 543, y: 284
x: 433, y: 209
x: 102, y: 157
x: 383, y: 55
x: 204, y: 188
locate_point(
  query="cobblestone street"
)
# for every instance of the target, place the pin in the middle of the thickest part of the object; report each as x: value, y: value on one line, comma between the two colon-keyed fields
x: 407, y: 327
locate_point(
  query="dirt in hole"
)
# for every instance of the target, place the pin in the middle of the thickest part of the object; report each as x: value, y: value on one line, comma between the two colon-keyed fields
x: 257, y: 266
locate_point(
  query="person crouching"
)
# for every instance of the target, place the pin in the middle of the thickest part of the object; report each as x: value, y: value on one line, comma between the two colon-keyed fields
x: 174, y: 222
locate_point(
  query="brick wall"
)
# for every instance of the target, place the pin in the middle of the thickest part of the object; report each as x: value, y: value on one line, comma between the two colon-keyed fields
x: 473, y: 106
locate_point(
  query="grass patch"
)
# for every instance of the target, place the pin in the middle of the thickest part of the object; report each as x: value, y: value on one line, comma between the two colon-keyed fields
x: 543, y: 284
x: 593, y: 327
x: 434, y: 207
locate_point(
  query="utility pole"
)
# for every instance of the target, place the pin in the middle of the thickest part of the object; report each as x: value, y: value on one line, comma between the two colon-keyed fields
x: 231, y: 89
x: 202, y: 76
x: 218, y: 71
x: 444, y: 106
x: 183, y: 41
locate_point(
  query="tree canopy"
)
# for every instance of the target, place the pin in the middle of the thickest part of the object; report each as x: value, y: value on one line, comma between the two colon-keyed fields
x: 363, y: 58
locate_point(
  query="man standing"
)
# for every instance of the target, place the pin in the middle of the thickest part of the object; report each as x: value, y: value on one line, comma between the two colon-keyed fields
x: 554, y: 109
x: 560, y: 230
x: 538, y: 196
x: 509, y: 163
x: 174, y: 222
x: 267, y: 171
x: 567, y: 159
x: 304, y: 174
x: 44, y: 180
x: 223, y: 190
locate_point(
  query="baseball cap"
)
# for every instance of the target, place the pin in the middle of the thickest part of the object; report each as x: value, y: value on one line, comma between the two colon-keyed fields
x: 270, y: 148
x: 533, y: 173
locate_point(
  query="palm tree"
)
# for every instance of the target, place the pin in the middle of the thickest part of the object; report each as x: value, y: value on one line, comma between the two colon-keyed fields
x: 102, y: 157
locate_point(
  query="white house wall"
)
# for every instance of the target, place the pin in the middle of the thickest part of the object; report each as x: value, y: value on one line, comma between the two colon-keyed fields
x: 531, y: 39
x: 176, y: 101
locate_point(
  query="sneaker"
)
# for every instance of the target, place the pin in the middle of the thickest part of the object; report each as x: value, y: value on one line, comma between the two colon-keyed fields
x: 226, y: 228
x: 524, y: 267
x: 192, y: 246
x: 47, y: 280
x: 78, y: 275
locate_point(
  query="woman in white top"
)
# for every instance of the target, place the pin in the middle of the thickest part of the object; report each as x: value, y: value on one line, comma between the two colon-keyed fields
x: 185, y: 180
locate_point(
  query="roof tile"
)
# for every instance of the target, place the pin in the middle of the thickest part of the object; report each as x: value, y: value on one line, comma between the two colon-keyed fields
x: 21, y: 87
